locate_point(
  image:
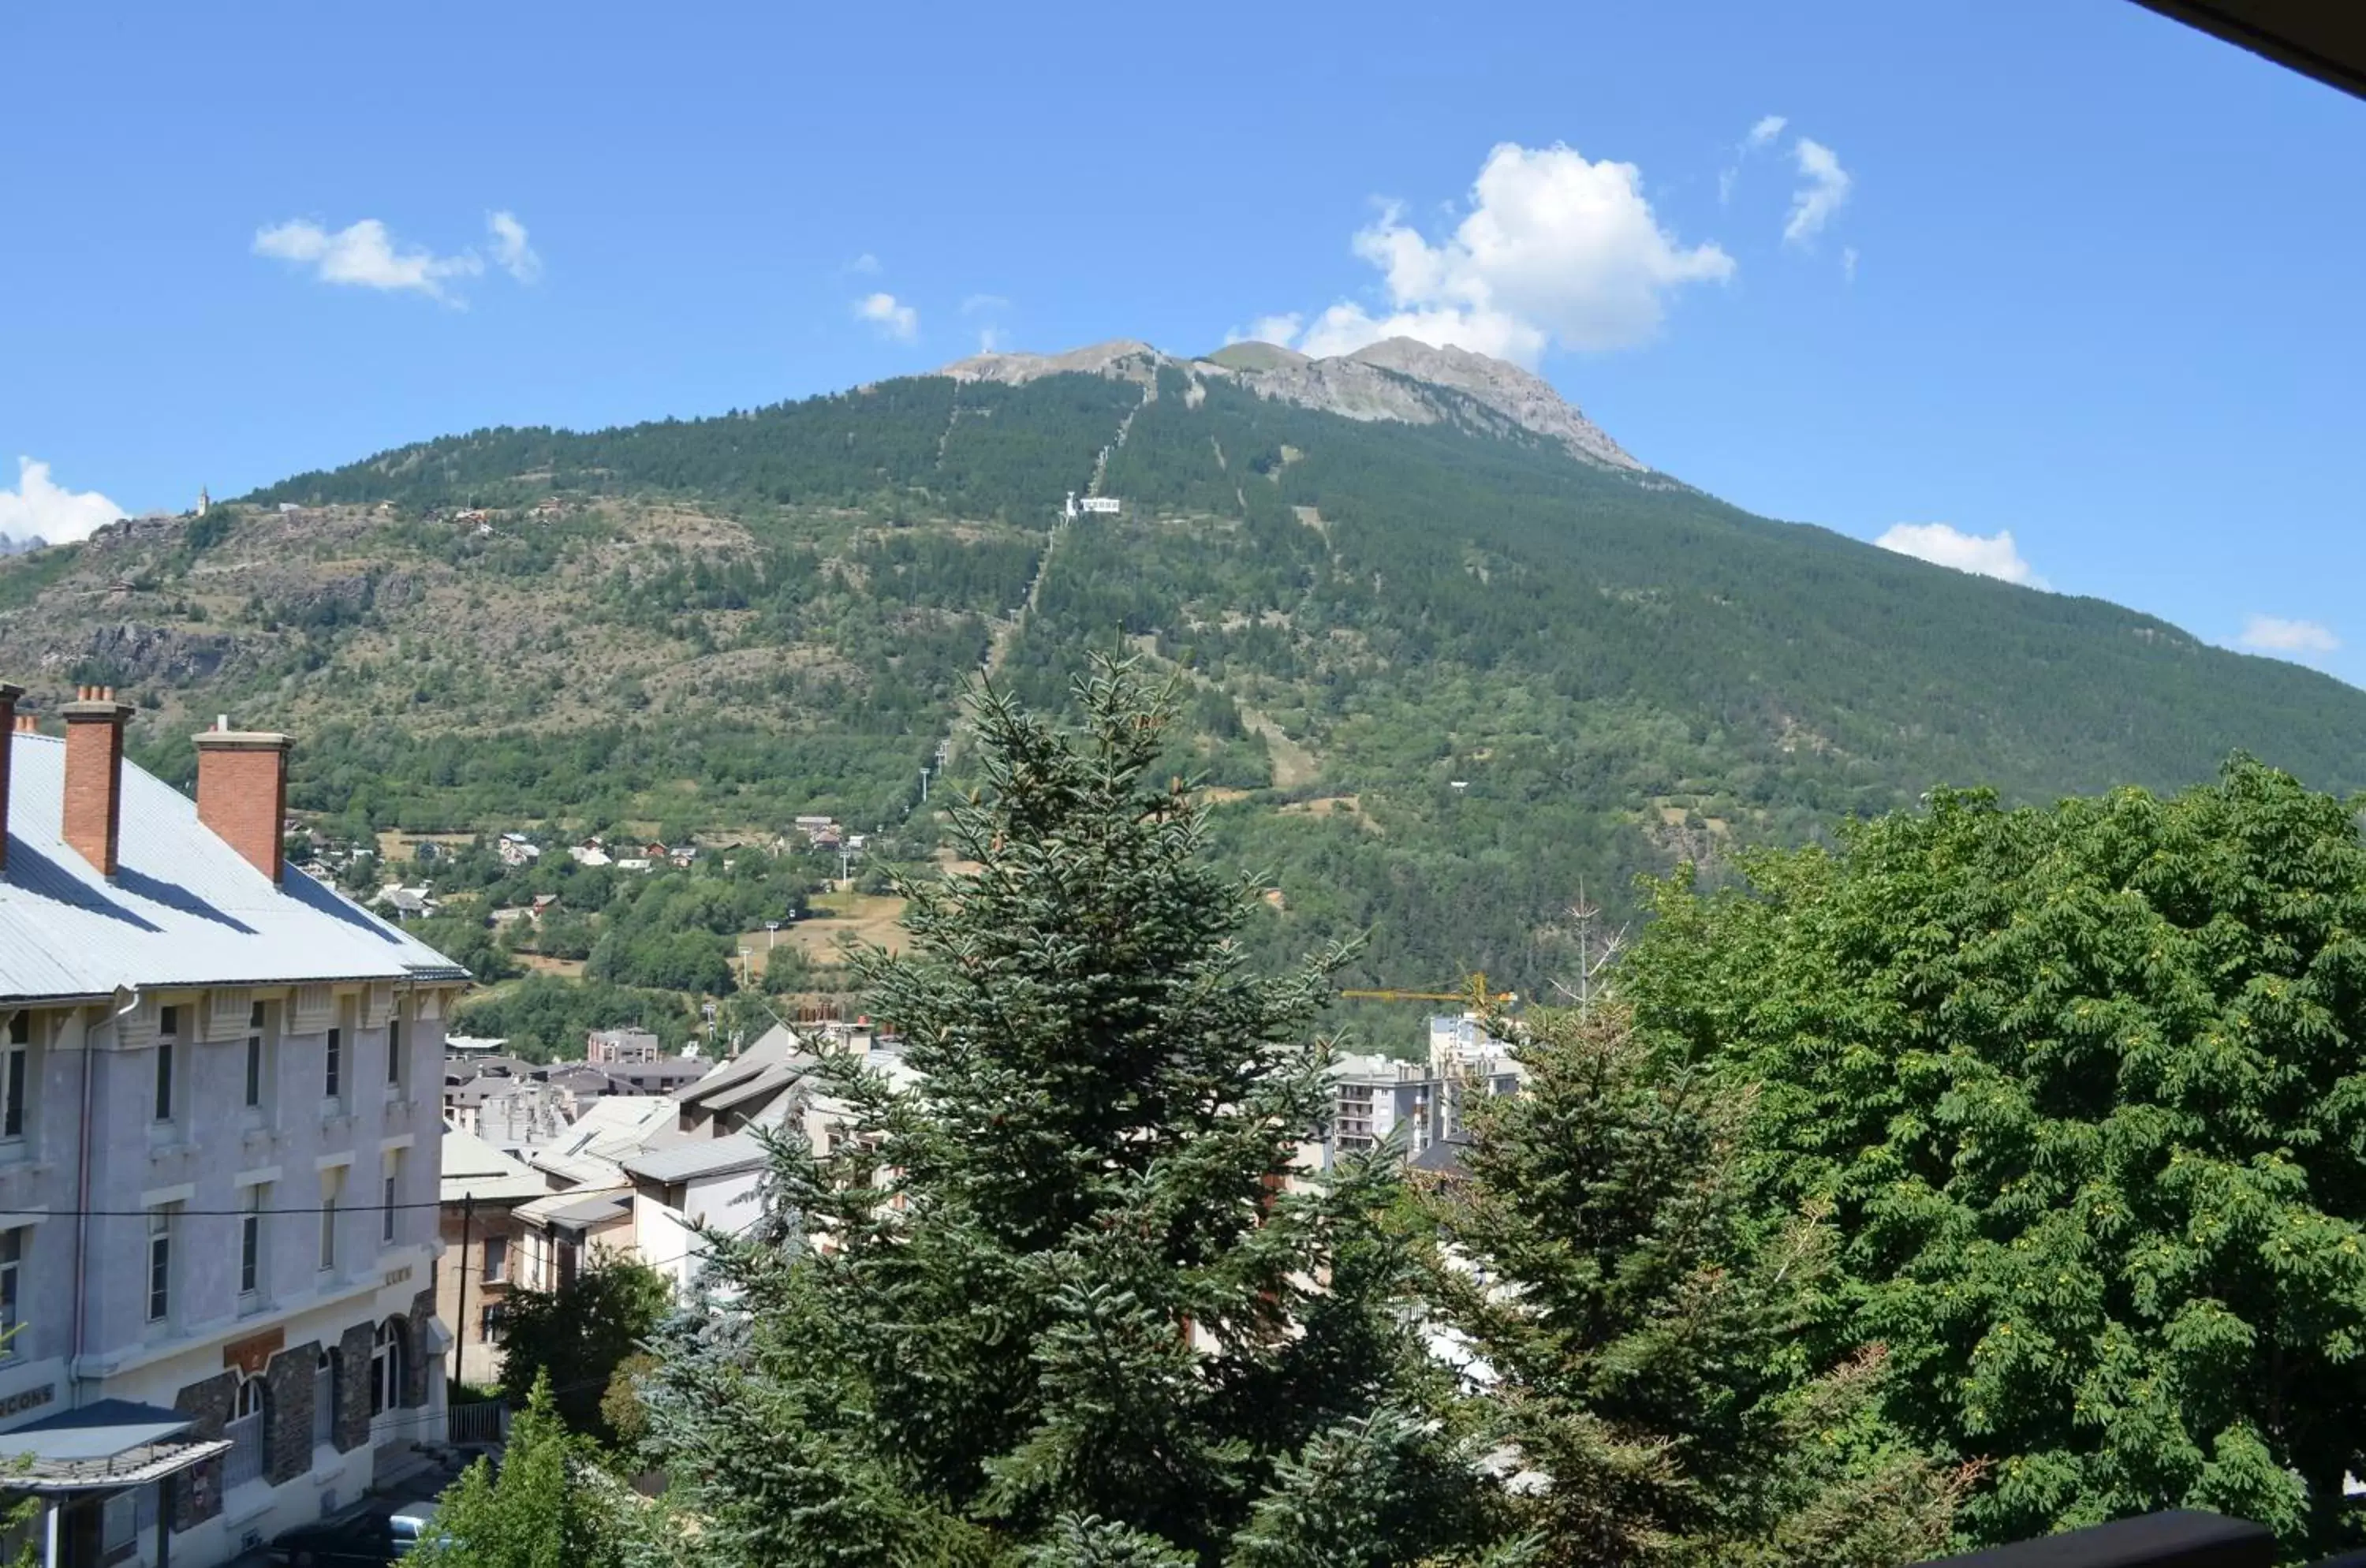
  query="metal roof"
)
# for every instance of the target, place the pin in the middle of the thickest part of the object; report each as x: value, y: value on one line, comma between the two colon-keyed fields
x: 183, y: 909
x: 686, y: 1162
x: 105, y: 1444
x: 774, y: 1061
x: 474, y: 1168
x: 580, y: 1209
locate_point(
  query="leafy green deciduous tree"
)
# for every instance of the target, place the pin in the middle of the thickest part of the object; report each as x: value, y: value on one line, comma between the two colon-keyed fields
x: 2085, y: 1088
x: 1640, y: 1336
x: 549, y: 1506
x: 1053, y: 1303
x: 578, y: 1335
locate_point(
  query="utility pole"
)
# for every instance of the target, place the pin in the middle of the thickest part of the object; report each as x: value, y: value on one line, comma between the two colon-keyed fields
x: 460, y: 1329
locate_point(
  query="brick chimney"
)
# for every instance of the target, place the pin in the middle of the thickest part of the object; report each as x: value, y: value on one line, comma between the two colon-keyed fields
x: 8, y: 725
x: 243, y: 791
x: 95, y: 774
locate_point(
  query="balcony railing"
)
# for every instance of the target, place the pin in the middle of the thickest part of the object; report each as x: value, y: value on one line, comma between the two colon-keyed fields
x: 482, y: 1422
x: 2179, y: 1540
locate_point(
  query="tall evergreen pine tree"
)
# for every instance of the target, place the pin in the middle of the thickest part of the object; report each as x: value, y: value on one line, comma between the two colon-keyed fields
x: 1053, y: 1302
x: 1642, y: 1334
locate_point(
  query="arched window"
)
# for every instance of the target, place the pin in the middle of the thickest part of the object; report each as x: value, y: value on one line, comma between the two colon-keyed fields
x: 389, y: 1354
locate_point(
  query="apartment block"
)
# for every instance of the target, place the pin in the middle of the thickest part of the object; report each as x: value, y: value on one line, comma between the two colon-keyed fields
x: 220, y: 1131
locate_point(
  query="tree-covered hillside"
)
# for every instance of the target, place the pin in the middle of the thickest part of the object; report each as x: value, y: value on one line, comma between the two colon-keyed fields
x: 1442, y: 675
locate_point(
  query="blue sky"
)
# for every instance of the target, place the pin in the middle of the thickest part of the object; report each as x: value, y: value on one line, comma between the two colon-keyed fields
x: 2095, y: 286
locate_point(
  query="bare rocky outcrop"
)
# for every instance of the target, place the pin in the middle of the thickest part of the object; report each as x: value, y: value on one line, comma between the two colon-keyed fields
x: 1125, y: 358
x: 138, y: 654
x: 1397, y: 380
x: 1525, y: 398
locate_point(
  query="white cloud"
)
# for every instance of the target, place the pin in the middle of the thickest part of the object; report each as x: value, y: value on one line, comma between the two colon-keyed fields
x: 38, y: 509
x: 1551, y: 251
x: 365, y: 255
x: 895, y: 321
x: 1989, y: 555
x: 1813, y: 204
x: 2273, y: 634
x: 1768, y: 128
x: 866, y: 263
x: 1280, y: 329
x: 512, y: 253
x: 977, y: 302
x: 990, y: 339
x: 1848, y: 263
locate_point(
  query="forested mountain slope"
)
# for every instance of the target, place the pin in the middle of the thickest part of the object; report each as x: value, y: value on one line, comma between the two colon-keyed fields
x: 1441, y: 671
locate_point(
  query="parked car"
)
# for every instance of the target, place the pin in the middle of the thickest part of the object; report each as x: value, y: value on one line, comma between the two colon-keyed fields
x: 366, y: 1541
x: 413, y: 1526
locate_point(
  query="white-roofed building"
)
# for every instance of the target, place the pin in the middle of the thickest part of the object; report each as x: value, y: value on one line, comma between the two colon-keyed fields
x: 219, y: 1145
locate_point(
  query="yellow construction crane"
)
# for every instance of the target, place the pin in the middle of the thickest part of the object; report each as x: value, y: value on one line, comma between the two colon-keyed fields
x: 1474, y: 995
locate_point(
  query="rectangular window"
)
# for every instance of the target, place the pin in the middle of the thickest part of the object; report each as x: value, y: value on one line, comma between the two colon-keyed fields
x: 168, y: 1022
x: 15, y: 1058
x: 488, y: 1324
x: 255, y: 1057
x: 250, y: 1240
x: 331, y: 1180
x: 119, y: 1520
x: 497, y: 1259
x: 393, y: 1182
x: 394, y: 1051
x: 12, y: 1259
x: 334, y: 1061
x: 165, y: 1081
x: 159, y: 1262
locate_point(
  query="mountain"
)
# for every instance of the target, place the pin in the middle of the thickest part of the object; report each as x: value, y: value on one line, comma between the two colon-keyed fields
x: 1448, y: 653
x: 1397, y: 379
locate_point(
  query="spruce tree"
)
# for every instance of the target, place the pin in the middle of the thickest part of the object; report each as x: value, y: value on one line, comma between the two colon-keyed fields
x: 1056, y: 1300
x: 1641, y: 1334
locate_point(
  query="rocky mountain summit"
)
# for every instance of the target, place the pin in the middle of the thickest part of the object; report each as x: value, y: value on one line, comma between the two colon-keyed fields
x: 1397, y: 379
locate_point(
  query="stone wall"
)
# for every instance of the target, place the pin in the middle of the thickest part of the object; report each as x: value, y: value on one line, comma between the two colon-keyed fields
x: 353, y: 1423
x: 288, y: 1386
x: 197, y: 1492
x: 422, y: 1326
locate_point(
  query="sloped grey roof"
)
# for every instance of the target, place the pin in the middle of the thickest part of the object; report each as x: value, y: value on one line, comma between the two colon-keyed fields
x: 183, y: 909
x: 580, y: 1209
x: 776, y: 1060
x: 472, y: 1167
x: 1443, y: 1157
x: 684, y: 1162
x: 107, y: 1444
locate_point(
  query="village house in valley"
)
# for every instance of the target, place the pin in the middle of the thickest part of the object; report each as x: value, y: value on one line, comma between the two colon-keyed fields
x: 219, y: 1131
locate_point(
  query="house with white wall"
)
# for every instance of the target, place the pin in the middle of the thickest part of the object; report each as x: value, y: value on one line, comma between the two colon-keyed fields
x: 683, y: 1190
x: 219, y: 1131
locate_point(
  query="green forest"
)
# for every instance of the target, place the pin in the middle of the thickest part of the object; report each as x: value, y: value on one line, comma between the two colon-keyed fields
x: 1987, y: 1174
x: 1440, y: 680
